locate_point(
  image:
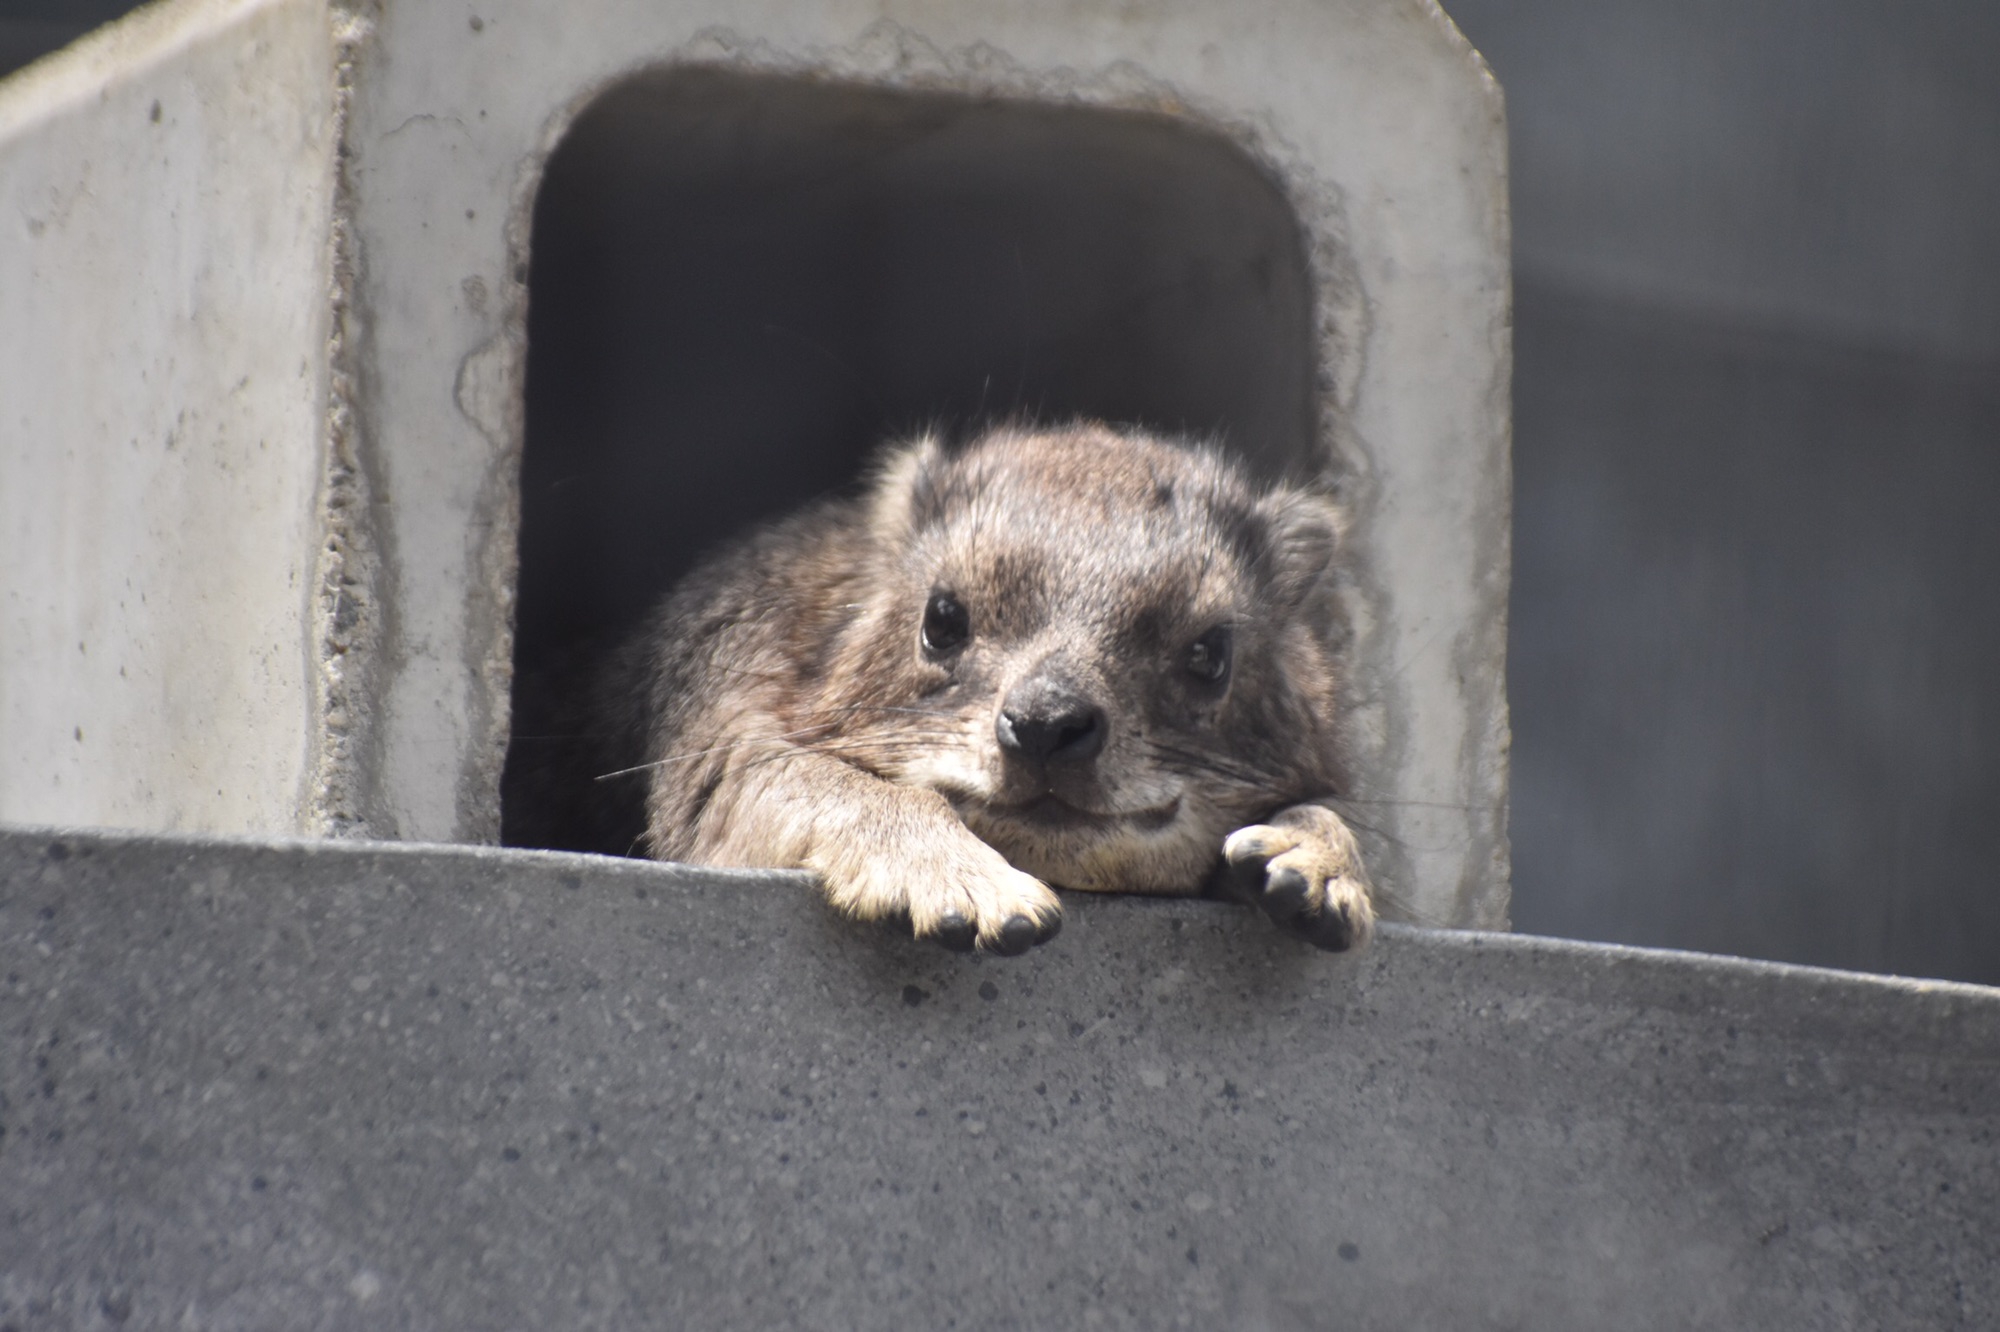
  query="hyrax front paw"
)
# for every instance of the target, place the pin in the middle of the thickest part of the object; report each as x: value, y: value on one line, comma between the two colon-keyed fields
x: 1304, y: 869
x: 977, y: 899
x: 956, y: 890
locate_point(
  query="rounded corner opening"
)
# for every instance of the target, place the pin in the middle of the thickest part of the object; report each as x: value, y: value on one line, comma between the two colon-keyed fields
x: 742, y: 286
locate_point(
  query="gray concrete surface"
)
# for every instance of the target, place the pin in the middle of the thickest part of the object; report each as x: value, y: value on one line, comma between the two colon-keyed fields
x: 167, y: 193
x: 349, y: 1085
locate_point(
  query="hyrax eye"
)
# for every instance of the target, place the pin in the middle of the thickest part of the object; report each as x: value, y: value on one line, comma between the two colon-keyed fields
x: 1208, y: 657
x: 947, y: 626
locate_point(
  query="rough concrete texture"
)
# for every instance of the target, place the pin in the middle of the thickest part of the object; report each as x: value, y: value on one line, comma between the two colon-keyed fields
x: 165, y: 187
x: 340, y: 1085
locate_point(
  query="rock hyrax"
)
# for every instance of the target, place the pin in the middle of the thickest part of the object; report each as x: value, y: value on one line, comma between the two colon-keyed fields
x: 1082, y: 658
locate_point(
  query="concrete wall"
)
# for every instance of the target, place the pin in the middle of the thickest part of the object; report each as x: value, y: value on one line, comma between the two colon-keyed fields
x: 1827, y: 168
x: 330, y: 1085
x: 1396, y: 364
x: 163, y: 324
x: 1757, y: 394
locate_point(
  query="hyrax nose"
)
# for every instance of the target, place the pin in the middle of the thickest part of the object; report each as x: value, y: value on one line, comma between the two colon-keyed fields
x: 1050, y: 724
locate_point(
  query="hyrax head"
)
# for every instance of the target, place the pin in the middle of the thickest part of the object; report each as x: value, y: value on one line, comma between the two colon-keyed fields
x: 1106, y: 651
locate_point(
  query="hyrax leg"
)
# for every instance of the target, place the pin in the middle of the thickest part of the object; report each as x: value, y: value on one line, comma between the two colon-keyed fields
x: 1304, y: 869
x: 880, y: 850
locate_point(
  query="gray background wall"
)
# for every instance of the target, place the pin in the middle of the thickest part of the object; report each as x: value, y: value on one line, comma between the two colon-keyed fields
x: 1757, y: 443
x: 1757, y: 434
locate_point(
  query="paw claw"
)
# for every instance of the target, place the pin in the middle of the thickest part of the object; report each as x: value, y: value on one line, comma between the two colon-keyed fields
x: 1302, y: 869
x: 1331, y: 929
x: 966, y: 897
x: 1285, y: 893
x: 1017, y: 936
x: 956, y: 932
x: 1246, y: 876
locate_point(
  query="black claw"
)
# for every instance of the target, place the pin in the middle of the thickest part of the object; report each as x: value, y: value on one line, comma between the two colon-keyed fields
x: 1016, y: 937
x: 1285, y: 896
x: 1047, y: 928
x: 1247, y: 877
x: 957, y: 933
x: 1331, y: 929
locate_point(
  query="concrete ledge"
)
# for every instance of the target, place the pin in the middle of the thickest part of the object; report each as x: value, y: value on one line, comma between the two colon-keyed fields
x: 351, y: 1085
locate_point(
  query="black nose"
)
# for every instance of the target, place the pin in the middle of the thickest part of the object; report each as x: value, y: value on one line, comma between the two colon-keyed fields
x: 1051, y: 726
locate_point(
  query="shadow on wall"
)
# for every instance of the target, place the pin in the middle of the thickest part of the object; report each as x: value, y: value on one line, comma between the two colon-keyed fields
x: 742, y: 287
x: 1757, y: 438
x: 1754, y: 632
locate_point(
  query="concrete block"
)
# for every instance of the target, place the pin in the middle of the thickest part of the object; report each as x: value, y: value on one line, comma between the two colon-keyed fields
x: 167, y: 192
x: 383, y: 549
x: 327, y: 1085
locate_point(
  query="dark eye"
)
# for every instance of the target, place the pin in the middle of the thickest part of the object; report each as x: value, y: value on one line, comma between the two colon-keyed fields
x: 1208, y: 657
x: 946, y: 625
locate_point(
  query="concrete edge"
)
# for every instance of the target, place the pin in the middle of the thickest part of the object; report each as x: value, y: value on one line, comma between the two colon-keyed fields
x: 132, y: 44
x: 1597, y: 957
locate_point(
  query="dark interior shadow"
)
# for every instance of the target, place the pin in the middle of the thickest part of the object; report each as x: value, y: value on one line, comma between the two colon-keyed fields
x: 741, y: 287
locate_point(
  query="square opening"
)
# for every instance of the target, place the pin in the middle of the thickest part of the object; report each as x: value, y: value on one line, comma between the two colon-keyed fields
x: 743, y: 286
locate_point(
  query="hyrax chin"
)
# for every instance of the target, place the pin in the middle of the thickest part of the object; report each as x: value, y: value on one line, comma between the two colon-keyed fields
x: 1076, y: 658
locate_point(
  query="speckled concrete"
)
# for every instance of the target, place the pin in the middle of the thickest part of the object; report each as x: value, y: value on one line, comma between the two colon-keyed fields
x: 167, y: 192
x: 351, y: 1085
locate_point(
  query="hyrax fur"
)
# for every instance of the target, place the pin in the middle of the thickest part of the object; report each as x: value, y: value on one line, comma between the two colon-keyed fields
x: 1077, y: 658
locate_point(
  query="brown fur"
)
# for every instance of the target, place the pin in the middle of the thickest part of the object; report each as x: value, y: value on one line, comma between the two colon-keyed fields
x: 796, y: 712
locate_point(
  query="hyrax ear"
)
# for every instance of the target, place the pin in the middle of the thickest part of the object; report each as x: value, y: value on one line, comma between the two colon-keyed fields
x: 903, y: 498
x: 1304, y: 534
